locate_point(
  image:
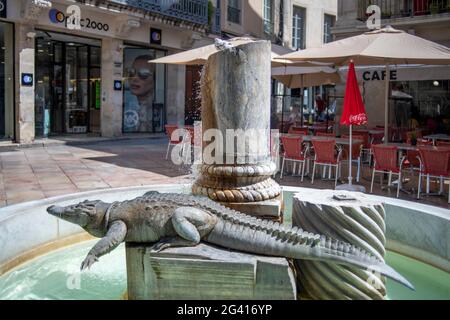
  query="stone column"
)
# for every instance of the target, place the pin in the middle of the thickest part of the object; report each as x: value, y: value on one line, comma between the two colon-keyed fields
x: 176, y: 87
x: 357, y: 220
x: 24, y: 39
x: 236, y: 119
x: 112, y: 100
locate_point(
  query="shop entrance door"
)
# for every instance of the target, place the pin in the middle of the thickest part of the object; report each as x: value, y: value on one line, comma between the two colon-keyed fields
x: 76, y: 89
x: 67, y: 86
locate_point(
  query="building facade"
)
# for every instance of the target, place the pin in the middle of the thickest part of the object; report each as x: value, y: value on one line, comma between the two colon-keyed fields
x: 81, y: 67
x: 418, y: 92
x: 71, y: 67
x: 294, y: 24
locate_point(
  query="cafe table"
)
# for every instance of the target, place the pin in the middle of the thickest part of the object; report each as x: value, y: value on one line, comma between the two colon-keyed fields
x: 434, y: 137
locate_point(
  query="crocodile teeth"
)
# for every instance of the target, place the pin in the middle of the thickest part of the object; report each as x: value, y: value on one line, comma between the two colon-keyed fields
x: 293, y: 237
x: 302, y: 238
x: 341, y: 247
x: 316, y: 240
x: 334, y: 245
x: 308, y: 240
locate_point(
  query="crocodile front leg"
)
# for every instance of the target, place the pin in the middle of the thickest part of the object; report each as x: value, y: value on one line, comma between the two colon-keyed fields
x: 115, y: 235
x: 191, y: 225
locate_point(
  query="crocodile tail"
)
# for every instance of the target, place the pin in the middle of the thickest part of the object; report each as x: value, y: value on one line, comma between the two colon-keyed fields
x: 273, y: 239
x: 346, y: 254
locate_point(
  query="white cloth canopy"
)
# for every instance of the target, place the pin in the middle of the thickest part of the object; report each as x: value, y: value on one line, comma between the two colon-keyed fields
x: 201, y: 55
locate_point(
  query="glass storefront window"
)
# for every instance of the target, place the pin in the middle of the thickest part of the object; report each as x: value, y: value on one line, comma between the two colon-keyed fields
x: 428, y: 102
x: 67, y: 84
x: 144, y: 91
x: 6, y: 81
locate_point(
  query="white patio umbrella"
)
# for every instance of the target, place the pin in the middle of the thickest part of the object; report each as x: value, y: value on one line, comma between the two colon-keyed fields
x: 201, y: 55
x: 385, y: 46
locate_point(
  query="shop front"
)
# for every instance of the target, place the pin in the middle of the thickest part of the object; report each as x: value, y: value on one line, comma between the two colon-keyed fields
x: 91, y: 77
x: 90, y: 80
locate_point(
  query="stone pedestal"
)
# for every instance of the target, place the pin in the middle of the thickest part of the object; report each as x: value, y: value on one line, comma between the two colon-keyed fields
x: 269, y: 209
x: 346, y: 216
x: 206, y: 272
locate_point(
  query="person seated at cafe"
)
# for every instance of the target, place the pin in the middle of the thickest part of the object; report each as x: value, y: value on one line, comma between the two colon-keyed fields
x: 295, y: 117
x: 413, y: 124
x: 320, y: 105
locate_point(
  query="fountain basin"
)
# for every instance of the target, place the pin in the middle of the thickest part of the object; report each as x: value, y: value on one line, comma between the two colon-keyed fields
x: 28, y: 232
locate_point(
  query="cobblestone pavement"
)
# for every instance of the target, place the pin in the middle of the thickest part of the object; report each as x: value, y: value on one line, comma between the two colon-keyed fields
x: 42, y: 172
x: 37, y: 173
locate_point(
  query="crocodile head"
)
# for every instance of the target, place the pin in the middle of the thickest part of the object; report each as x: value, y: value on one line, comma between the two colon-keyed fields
x: 87, y: 214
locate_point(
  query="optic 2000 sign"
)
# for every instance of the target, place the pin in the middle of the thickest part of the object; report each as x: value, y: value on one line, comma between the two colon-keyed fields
x: 72, y: 19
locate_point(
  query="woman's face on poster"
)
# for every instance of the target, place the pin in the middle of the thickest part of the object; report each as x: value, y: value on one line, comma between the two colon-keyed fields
x: 141, y: 78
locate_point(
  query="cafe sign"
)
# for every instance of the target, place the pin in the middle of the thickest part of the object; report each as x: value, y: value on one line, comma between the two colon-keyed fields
x: 378, y: 75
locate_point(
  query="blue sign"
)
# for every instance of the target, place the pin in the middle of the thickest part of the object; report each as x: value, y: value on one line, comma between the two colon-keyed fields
x: 118, y: 85
x: 27, y: 79
x: 155, y: 36
x: 3, y: 6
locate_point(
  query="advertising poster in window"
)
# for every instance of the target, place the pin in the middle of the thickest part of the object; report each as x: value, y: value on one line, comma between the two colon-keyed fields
x: 143, y: 91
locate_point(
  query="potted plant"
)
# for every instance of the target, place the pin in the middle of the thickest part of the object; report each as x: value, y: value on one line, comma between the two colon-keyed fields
x: 211, y: 11
x: 434, y: 7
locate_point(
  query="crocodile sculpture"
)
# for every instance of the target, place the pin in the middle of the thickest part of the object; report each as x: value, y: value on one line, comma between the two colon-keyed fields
x: 174, y: 220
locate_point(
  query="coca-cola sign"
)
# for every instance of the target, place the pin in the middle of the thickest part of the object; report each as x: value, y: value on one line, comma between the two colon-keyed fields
x: 358, y: 119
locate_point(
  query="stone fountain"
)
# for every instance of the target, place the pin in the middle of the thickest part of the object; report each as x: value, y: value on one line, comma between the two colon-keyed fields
x: 236, y: 177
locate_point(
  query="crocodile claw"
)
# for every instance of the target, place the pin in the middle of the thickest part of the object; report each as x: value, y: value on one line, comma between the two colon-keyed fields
x: 160, y: 246
x: 88, y: 262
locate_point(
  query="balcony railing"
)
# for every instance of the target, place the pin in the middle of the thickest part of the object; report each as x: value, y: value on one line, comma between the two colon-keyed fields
x: 404, y: 8
x: 195, y: 11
